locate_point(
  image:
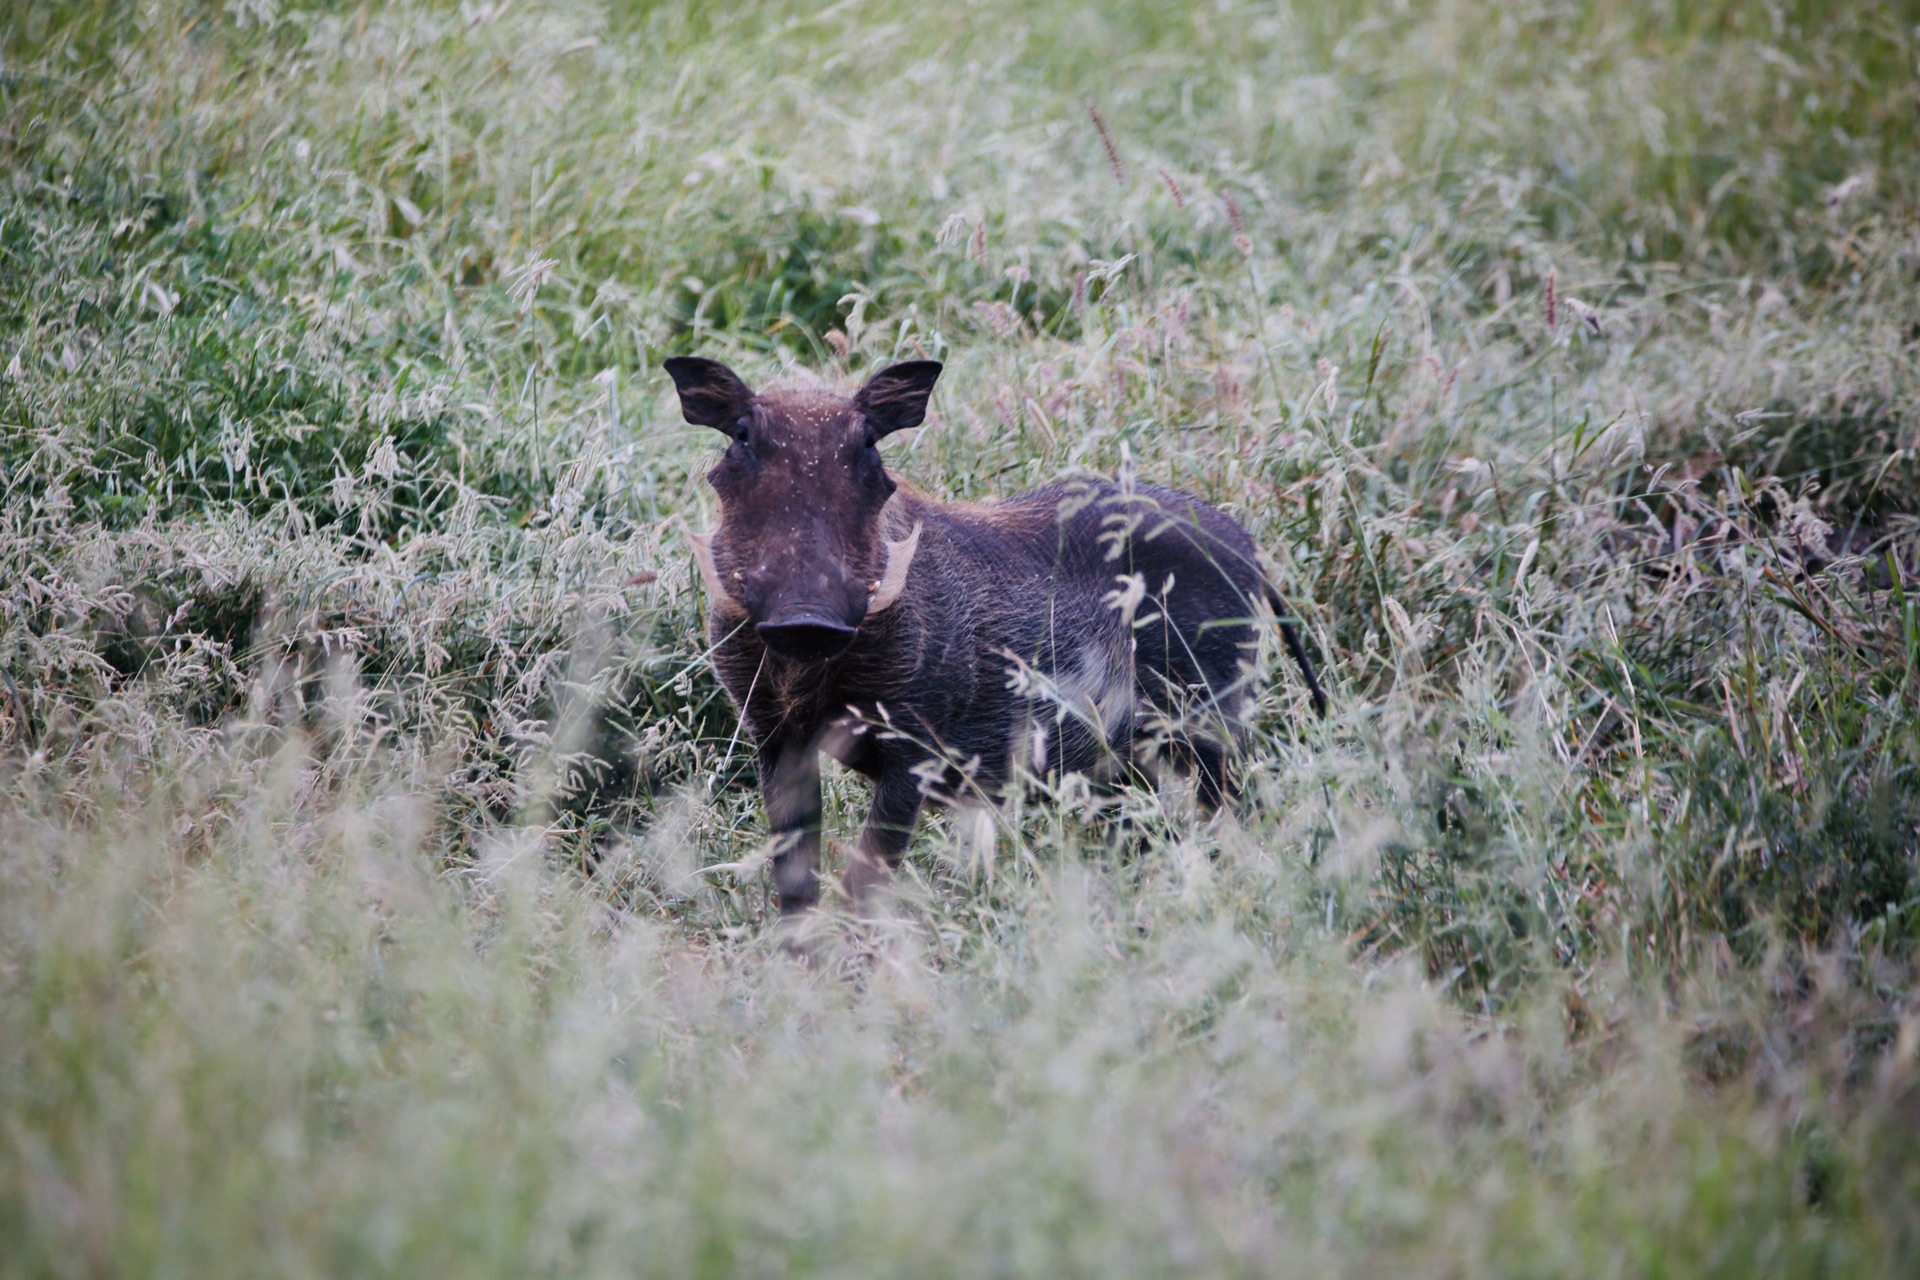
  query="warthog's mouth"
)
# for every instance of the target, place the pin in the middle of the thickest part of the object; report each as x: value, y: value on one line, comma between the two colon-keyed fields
x: 806, y: 639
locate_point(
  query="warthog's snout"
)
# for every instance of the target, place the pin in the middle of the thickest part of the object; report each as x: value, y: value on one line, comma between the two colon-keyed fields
x: 807, y: 638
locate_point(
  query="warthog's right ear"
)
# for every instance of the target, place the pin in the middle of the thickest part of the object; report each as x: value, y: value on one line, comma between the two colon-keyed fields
x: 896, y: 397
x: 711, y: 395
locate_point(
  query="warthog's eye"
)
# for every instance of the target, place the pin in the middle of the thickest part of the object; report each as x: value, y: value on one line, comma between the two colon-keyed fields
x: 742, y: 431
x: 873, y: 439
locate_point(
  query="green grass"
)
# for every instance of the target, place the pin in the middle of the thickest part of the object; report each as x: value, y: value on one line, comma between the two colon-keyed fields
x: 379, y: 881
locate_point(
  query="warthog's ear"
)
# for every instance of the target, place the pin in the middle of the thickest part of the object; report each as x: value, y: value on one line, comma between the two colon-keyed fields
x: 711, y: 395
x: 897, y: 397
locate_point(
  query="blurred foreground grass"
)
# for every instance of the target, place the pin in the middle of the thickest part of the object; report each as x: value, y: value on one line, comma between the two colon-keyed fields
x: 378, y: 894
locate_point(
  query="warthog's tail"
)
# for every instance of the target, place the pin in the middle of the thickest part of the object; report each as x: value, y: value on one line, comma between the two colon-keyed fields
x: 1290, y: 631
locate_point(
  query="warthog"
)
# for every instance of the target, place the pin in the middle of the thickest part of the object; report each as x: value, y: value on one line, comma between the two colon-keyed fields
x: 936, y: 647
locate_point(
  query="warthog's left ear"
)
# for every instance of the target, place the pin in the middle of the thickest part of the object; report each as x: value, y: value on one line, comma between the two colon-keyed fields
x: 897, y: 397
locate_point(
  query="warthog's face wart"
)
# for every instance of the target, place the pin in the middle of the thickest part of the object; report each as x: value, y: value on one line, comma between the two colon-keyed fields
x: 800, y: 549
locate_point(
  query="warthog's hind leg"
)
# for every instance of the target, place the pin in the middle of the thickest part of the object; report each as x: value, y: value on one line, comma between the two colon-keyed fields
x: 1209, y: 762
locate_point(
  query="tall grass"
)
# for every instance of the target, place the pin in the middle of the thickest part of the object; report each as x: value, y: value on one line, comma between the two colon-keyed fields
x: 379, y: 878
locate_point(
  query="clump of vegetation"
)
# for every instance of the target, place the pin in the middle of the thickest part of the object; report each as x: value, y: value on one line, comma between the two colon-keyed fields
x: 378, y: 892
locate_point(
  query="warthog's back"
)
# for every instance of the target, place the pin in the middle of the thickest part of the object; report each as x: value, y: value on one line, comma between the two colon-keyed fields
x: 1059, y: 624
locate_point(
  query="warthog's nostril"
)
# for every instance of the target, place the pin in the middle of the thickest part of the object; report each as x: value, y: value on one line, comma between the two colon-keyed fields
x: 807, y: 639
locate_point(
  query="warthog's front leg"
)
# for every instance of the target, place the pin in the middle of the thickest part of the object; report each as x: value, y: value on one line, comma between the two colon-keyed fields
x: 896, y: 807
x: 790, y: 789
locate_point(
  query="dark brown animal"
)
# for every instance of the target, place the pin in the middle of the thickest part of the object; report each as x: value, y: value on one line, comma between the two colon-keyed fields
x: 938, y: 647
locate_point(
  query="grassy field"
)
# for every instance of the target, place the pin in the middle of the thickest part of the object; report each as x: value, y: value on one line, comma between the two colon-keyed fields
x: 380, y: 879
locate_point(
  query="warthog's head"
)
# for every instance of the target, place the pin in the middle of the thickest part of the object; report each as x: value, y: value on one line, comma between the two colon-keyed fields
x: 800, y: 549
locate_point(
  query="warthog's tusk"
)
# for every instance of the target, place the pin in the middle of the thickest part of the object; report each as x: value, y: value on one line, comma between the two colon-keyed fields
x: 702, y: 544
x: 894, y: 580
